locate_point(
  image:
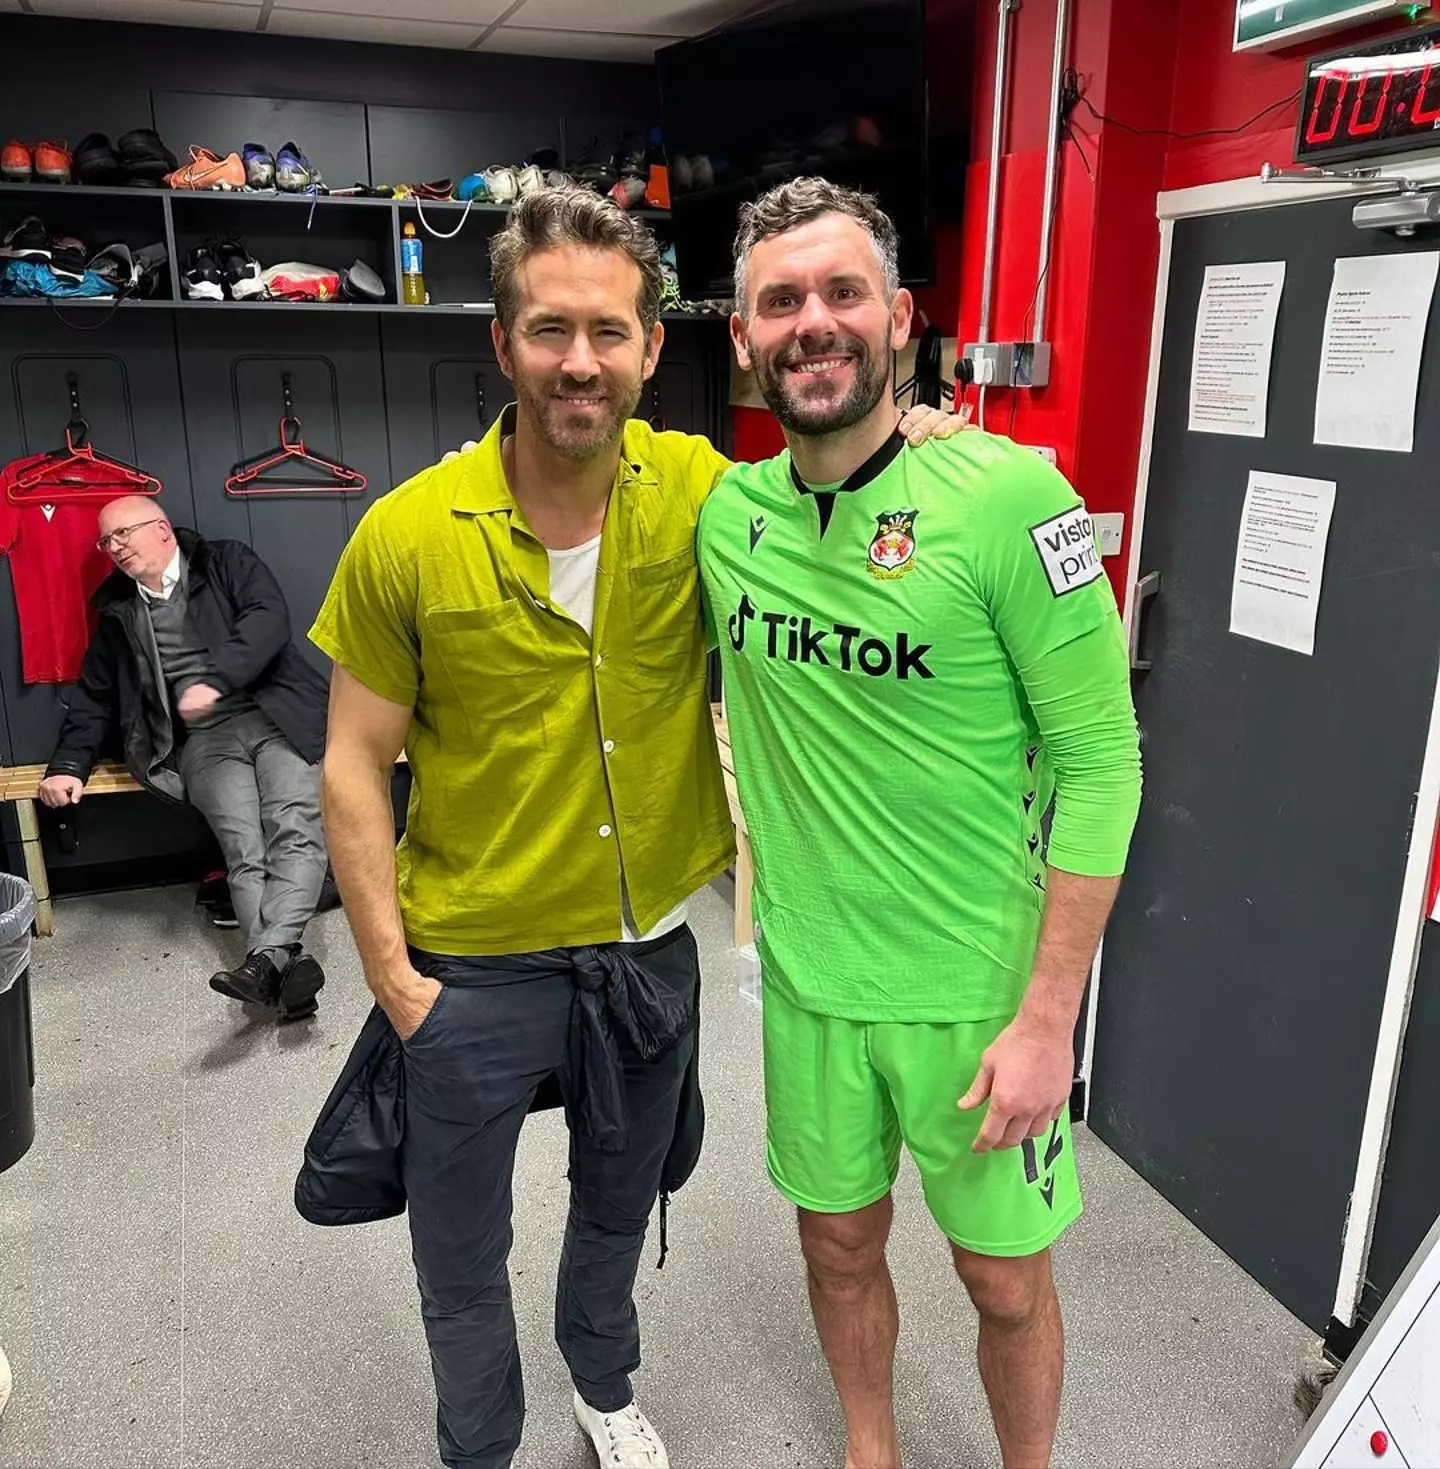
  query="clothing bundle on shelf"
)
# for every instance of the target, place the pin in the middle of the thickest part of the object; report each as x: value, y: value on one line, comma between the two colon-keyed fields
x: 33, y: 262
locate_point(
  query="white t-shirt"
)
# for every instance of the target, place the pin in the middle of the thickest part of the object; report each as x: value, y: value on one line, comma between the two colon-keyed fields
x: 572, y: 588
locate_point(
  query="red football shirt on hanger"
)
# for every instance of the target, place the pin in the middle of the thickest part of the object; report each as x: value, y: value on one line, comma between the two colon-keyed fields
x: 56, y: 568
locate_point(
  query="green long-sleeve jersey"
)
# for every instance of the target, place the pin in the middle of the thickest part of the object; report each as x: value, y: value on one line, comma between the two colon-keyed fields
x: 914, y: 661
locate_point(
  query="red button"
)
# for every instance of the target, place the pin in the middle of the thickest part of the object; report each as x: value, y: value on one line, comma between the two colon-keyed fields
x: 1379, y: 1443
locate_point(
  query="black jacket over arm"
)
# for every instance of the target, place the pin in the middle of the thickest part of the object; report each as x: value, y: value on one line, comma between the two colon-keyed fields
x: 238, y: 612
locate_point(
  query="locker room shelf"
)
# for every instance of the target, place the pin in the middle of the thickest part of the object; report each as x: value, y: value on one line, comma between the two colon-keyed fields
x: 326, y: 229
x: 283, y: 201
x: 441, y: 309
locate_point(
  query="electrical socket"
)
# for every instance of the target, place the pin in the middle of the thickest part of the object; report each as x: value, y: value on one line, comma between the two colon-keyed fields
x: 1009, y: 364
x: 1109, y: 531
x: 1045, y: 452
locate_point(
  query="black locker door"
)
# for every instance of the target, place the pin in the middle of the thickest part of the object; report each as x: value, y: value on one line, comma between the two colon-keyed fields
x: 1244, y: 971
x: 234, y: 366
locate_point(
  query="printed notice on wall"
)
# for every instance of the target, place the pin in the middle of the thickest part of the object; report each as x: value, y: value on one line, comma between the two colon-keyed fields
x: 1234, y: 341
x: 1280, y: 559
x: 1374, y: 339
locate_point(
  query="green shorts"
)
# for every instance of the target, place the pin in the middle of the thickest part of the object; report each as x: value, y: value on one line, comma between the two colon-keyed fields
x: 841, y: 1095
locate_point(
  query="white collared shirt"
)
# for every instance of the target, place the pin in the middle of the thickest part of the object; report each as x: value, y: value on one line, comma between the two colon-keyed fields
x: 168, y: 581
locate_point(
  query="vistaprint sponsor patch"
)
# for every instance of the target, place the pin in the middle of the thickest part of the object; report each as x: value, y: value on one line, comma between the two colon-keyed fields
x: 1068, y: 550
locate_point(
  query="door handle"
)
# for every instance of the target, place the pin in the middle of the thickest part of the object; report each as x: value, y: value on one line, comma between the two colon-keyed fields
x: 1146, y: 590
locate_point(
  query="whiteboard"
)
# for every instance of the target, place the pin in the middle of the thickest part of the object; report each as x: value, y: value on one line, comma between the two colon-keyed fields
x: 1383, y: 1411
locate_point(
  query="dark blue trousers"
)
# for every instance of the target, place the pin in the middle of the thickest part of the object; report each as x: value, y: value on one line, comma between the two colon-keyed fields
x: 471, y: 1072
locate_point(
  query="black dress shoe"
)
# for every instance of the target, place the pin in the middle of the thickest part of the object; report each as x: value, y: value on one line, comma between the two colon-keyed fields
x: 222, y: 915
x: 255, y: 980
x: 301, y: 981
x: 329, y: 898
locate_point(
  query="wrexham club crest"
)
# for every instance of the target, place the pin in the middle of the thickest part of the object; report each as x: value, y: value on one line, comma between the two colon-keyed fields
x: 892, y: 552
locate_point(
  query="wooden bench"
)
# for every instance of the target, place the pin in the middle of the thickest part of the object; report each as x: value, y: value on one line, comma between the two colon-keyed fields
x: 744, y: 864
x: 18, y: 784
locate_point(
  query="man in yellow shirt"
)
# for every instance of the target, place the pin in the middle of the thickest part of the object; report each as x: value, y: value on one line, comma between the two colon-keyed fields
x: 524, y: 621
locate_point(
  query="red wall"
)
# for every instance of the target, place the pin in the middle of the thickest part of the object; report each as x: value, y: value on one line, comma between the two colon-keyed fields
x: 1165, y: 67
x: 1106, y: 241
x: 1217, y: 88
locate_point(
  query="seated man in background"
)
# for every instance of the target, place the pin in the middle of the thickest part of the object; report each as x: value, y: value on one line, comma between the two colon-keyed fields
x: 192, y: 659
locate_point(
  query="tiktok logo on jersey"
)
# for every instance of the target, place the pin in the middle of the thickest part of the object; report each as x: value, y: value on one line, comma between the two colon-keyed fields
x: 835, y: 645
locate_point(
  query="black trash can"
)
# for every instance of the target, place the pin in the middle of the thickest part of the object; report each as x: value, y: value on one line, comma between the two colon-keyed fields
x: 17, y: 1039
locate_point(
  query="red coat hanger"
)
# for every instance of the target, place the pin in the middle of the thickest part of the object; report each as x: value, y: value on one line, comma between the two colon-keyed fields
x: 78, y: 473
x: 248, y: 477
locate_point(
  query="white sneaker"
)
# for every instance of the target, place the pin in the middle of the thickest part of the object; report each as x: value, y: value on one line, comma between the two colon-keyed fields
x: 623, y: 1440
x: 5, y: 1384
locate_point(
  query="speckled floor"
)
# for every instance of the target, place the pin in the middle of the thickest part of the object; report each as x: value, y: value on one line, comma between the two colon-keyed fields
x: 164, y: 1307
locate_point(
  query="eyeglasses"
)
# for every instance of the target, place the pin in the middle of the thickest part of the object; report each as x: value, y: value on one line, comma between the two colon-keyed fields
x: 120, y: 536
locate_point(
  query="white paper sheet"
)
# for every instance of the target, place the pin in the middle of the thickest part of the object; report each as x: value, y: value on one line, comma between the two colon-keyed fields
x: 1234, y: 341
x: 1370, y: 360
x: 1280, y: 559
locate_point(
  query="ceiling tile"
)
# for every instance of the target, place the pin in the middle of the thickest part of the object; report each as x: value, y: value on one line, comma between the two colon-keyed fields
x: 477, y: 14
x: 574, y: 45
x: 392, y: 29
x: 224, y: 14
x: 634, y: 18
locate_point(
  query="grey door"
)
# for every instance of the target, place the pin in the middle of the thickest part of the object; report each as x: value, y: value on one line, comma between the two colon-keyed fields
x: 1245, y: 968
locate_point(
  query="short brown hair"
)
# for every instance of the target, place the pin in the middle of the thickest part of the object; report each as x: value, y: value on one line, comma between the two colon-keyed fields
x: 788, y: 206
x: 553, y: 217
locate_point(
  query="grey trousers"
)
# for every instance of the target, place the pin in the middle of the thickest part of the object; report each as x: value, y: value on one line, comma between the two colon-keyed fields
x: 262, y: 801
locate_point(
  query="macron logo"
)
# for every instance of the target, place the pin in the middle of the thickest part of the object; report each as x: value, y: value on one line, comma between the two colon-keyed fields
x: 757, y: 529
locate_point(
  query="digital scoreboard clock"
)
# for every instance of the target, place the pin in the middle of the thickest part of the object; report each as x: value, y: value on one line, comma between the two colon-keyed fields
x: 1379, y: 97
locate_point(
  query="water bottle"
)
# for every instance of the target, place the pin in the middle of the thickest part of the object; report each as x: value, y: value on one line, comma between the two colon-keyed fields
x: 412, y: 267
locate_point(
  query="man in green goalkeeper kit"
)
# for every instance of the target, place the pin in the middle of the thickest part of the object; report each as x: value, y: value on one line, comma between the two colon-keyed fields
x: 918, y: 650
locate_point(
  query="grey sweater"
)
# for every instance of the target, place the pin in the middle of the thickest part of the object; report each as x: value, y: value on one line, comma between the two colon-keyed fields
x: 183, y: 658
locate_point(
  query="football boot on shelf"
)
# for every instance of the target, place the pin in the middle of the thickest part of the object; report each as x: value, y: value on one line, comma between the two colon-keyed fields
x: 503, y: 184
x: 17, y: 162
x: 95, y: 162
x: 259, y: 164
x: 294, y: 173
x: 52, y: 163
x: 238, y: 267
x: 202, y: 278
x: 207, y: 170
x: 145, y: 161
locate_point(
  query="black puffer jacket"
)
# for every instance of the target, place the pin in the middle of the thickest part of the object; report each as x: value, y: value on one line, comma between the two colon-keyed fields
x: 238, y: 612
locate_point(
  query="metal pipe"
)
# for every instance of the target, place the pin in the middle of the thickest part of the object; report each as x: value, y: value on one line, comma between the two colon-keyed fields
x: 1052, y: 170
x: 992, y: 212
x: 1270, y: 174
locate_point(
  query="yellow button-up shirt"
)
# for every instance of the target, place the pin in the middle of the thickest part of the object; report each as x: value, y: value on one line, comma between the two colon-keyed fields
x: 546, y: 763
